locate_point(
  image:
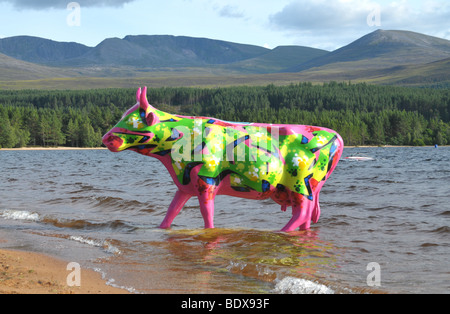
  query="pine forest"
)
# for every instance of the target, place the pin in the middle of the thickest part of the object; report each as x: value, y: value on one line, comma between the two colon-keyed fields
x: 363, y: 114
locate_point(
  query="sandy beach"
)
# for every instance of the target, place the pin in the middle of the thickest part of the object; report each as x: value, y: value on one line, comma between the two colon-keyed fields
x: 33, y: 273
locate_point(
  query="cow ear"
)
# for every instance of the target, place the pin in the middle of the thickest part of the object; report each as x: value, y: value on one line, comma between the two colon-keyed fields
x: 152, y: 118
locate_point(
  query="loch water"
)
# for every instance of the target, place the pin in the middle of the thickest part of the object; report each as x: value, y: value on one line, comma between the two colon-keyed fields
x: 384, y: 228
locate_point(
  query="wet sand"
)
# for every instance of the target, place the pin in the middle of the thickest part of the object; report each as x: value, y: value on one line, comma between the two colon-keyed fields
x: 33, y: 273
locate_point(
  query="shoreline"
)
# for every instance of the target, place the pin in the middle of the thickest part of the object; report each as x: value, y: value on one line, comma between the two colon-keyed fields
x: 52, y: 148
x: 23, y: 272
x: 104, y: 148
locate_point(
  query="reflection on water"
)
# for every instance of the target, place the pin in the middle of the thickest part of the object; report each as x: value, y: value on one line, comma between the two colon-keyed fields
x: 227, y: 260
x: 103, y: 210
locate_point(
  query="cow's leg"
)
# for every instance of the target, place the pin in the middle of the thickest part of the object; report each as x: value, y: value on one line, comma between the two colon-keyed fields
x: 295, y: 221
x: 307, y: 210
x: 316, y: 208
x: 207, y: 210
x: 175, y: 207
x: 206, y: 196
x: 301, y: 213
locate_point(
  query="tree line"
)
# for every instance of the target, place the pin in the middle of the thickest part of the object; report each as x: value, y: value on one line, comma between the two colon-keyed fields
x: 363, y: 114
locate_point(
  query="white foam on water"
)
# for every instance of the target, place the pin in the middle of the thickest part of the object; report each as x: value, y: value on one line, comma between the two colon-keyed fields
x: 102, y: 244
x: 291, y: 285
x: 111, y: 282
x: 19, y: 215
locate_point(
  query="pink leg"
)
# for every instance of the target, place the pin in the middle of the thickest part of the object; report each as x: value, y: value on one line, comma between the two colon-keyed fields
x: 316, y: 211
x: 301, y: 214
x: 175, y: 207
x: 206, y: 196
x: 307, y: 210
x: 296, y: 220
x: 207, y: 210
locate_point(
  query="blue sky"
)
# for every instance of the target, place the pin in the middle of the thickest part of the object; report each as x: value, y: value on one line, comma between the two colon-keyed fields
x: 326, y: 24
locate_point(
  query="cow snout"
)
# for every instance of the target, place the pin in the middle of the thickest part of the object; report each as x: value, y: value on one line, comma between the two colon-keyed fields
x: 112, y: 142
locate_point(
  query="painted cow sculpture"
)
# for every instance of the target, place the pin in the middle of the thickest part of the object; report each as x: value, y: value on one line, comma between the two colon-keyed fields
x: 208, y: 157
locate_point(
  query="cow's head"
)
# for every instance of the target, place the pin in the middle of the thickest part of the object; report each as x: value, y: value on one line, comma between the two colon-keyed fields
x: 139, y: 129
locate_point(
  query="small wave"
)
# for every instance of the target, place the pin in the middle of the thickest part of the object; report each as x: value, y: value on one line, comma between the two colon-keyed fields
x: 441, y: 230
x: 252, y: 270
x: 108, y: 247
x: 111, y: 282
x: 347, y: 204
x: 25, y: 215
x: 19, y: 215
x: 291, y: 285
x: 103, y: 202
x: 116, y: 203
x: 425, y: 245
x: 87, y: 225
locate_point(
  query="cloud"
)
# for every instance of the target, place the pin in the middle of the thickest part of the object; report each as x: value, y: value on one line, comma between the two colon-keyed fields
x: 47, y: 4
x: 329, y: 24
x: 344, y: 15
x: 231, y: 11
x: 430, y: 15
x: 323, y: 15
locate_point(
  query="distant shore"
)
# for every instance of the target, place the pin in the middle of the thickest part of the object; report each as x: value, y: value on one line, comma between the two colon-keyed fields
x: 53, y: 148
x: 104, y: 148
x: 393, y: 146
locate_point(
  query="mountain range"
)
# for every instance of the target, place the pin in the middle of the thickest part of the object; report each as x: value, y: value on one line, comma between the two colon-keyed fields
x: 383, y: 56
x: 154, y: 52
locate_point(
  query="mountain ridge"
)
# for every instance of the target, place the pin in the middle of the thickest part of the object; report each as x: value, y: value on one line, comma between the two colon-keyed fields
x: 132, y: 50
x: 40, y: 50
x: 389, y: 47
x: 391, y: 57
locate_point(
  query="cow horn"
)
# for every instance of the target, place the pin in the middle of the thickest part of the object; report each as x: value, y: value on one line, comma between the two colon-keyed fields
x: 138, y: 95
x: 143, y: 100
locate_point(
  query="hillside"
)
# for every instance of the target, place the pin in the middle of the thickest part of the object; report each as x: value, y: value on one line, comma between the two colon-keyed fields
x: 382, y: 49
x: 137, y: 51
x: 144, y: 55
x: 435, y: 74
x: 278, y: 59
x: 40, y: 50
x: 381, y: 57
x: 13, y: 69
x: 188, y: 51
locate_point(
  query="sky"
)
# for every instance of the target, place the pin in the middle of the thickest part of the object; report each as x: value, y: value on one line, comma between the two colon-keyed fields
x: 324, y: 24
